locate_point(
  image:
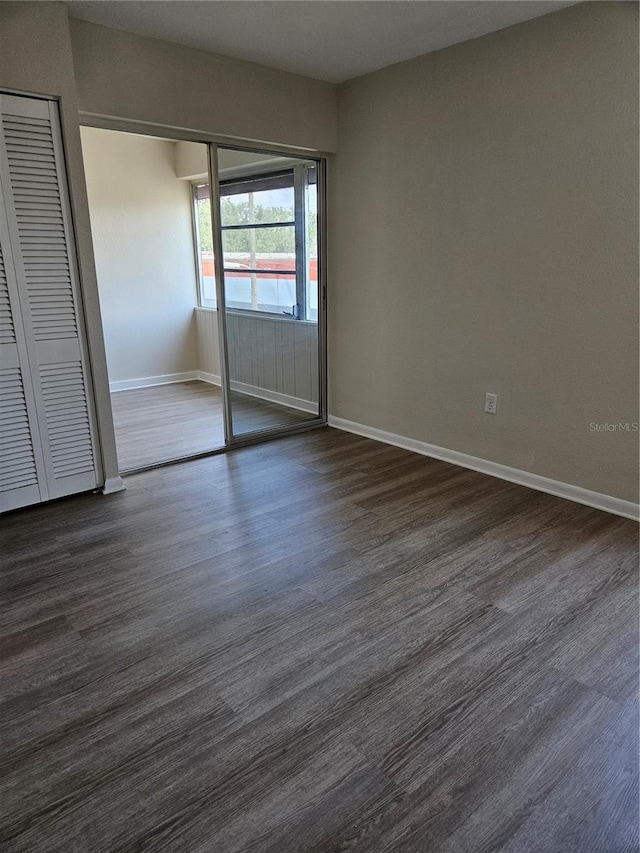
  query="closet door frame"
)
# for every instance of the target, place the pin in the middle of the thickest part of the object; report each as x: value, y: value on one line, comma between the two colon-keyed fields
x: 78, y: 290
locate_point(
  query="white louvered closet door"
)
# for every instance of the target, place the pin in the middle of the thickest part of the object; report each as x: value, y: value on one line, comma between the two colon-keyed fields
x: 21, y: 462
x: 40, y: 246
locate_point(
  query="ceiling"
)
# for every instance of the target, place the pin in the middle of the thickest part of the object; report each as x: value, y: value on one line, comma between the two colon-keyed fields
x: 331, y: 40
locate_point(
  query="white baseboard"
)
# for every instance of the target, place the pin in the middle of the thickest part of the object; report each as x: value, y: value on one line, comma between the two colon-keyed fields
x: 617, y: 506
x: 263, y: 394
x: 149, y: 381
x: 275, y: 397
x: 211, y: 378
x: 113, y: 484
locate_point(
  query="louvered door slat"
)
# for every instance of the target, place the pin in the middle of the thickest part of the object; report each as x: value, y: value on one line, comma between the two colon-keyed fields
x: 63, y: 444
x: 15, y: 452
x: 49, y: 215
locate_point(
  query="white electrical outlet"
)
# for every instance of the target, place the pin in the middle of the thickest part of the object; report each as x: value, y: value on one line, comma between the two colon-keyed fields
x: 491, y: 403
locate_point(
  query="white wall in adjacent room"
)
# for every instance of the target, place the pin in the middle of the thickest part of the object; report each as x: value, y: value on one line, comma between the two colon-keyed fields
x: 142, y: 233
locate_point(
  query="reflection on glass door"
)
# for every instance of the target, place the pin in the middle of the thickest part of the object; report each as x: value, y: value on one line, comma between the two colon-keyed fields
x: 269, y: 260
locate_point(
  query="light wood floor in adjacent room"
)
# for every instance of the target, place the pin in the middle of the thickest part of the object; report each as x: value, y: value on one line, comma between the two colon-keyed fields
x: 318, y: 644
x: 166, y: 422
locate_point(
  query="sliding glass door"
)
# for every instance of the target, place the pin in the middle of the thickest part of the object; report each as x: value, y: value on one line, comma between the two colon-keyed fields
x: 214, y: 304
x: 267, y: 215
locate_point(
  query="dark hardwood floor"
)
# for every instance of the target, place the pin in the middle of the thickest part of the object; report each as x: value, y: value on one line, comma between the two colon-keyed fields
x: 318, y: 644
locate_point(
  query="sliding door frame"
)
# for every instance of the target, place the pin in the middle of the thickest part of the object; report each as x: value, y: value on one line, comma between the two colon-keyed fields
x: 321, y: 418
x: 171, y: 133
x: 181, y: 134
x: 221, y: 304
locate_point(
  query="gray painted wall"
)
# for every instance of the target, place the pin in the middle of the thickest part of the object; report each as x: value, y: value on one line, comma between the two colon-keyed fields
x: 485, y: 238
x: 130, y: 76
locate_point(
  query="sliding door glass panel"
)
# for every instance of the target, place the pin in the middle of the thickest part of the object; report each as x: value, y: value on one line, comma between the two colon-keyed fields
x: 269, y: 240
x: 151, y: 221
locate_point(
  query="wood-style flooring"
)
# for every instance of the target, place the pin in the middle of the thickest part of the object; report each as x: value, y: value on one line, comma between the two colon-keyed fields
x: 165, y: 422
x: 318, y: 644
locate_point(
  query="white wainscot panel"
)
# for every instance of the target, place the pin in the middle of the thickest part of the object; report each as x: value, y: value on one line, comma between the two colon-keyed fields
x: 272, y: 358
